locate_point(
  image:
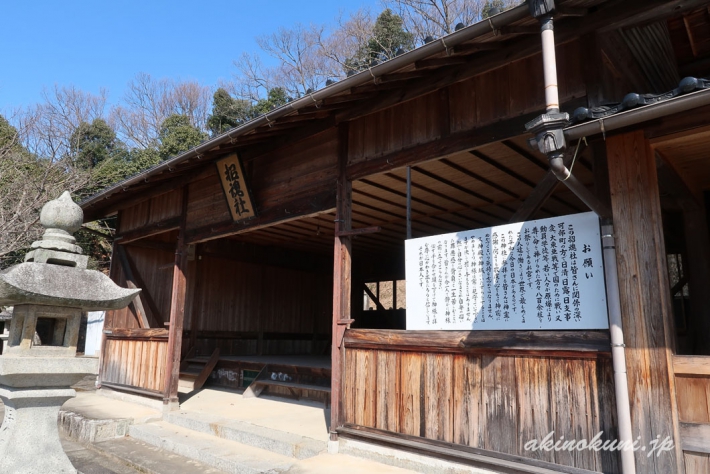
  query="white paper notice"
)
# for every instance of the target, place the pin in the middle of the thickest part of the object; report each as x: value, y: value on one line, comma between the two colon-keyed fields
x: 543, y: 274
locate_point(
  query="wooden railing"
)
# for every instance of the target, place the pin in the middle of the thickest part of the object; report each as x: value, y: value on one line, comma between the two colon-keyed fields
x: 134, y: 360
x: 490, y: 390
x: 692, y: 384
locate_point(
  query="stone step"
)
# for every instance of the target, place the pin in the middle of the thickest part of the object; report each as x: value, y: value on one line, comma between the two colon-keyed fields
x: 87, y: 430
x: 130, y: 456
x: 228, y: 456
x: 279, y: 442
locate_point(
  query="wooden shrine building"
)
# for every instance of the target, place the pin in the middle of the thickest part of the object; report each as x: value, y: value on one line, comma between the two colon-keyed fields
x: 281, y: 243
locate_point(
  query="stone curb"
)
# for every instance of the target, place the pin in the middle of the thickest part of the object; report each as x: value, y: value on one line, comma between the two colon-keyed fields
x: 280, y: 442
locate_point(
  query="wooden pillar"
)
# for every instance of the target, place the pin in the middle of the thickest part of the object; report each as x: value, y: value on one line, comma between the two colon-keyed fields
x: 342, y: 258
x: 177, y: 310
x: 645, y: 299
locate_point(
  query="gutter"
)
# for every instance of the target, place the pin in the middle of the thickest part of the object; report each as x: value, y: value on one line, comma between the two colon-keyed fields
x: 642, y: 114
x: 371, y: 74
x: 551, y: 139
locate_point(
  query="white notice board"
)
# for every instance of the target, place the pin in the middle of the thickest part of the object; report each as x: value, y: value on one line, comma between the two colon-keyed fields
x: 543, y: 274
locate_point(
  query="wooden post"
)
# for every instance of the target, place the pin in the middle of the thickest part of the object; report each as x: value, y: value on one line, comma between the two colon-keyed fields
x: 645, y: 299
x: 342, y: 257
x: 177, y: 311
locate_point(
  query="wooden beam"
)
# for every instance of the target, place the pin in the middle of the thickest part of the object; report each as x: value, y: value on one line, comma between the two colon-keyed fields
x: 320, y: 201
x: 149, y: 230
x: 342, y: 281
x: 517, y: 176
x: 645, y: 299
x: 478, y: 47
x: 536, y: 199
x: 520, y: 30
x: 695, y: 437
x: 454, y: 143
x: 151, y: 309
x: 134, y: 334
x: 373, y: 297
x: 477, y: 341
x: 154, y: 187
x: 399, y: 76
x: 691, y: 365
x: 131, y: 283
x: 440, y: 62
x: 538, y: 196
x: 177, y: 311
x: 360, y: 231
x: 152, y: 244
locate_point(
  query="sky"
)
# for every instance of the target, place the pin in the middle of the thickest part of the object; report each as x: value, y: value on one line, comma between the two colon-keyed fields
x: 104, y: 44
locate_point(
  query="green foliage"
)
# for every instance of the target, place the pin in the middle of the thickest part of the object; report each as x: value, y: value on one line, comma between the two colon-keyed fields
x: 227, y: 112
x: 177, y: 135
x: 8, y: 136
x: 388, y: 36
x: 490, y: 5
x: 276, y: 98
x: 90, y: 144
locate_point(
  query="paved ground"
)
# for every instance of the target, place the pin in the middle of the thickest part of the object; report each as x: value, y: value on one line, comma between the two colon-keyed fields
x: 130, y: 456
x: 302, y: 417
x: 127, y: 456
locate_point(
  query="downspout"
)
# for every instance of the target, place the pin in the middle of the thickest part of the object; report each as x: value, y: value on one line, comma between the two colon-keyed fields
x: 550, y: 140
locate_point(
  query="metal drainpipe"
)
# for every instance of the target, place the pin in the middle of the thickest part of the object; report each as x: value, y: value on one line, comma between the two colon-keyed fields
x: 550, y: 140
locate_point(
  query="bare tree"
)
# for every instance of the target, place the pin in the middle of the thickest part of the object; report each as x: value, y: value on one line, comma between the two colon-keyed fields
x: 343, y: 42
x: 46, y: 128
x: 300, y: 64
x: 26, y: 184
x: 148, y: 102
x: 437, y: 18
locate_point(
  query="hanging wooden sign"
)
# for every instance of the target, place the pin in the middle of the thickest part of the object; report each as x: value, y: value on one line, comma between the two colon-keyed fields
x: 235, y: 188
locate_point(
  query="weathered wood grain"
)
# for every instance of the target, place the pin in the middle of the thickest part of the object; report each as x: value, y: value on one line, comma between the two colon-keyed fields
x: 691, y: 365
x: 438, y: 397
x: 467, y: 395
x: 471, y: 341
x: 645, y: 304
x: 695, y: 437
x: 500, y: 404
x: 693, y: 394
x: 532, y: 376
x: 388, y: 391
x: 411, y: 393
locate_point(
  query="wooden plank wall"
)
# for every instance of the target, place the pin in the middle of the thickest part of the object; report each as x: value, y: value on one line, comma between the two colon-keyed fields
x: 466, y: 105
x: 302, y: 169
x: 154, y: 268
x: 487, y: 401
x: 135, y: 362
x: 692, y: 378
x: 150, y: 211
x: 233, y: 297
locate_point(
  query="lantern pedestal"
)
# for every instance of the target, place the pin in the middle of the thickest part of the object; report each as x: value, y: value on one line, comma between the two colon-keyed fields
x: 33, y: 390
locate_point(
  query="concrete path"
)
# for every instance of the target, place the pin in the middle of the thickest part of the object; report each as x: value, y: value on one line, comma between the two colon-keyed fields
x: 303, y: 418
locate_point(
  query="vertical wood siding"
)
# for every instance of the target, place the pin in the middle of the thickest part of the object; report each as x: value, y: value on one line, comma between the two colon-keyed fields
x: 157, y: 282
x: 487, y: 401
x: 150, y: 211
x: 239, y: 297
x: 137, y: 363
x: 693, y: 394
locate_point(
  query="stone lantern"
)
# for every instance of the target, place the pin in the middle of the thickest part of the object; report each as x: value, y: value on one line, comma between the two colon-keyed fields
x: 50, y: 289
